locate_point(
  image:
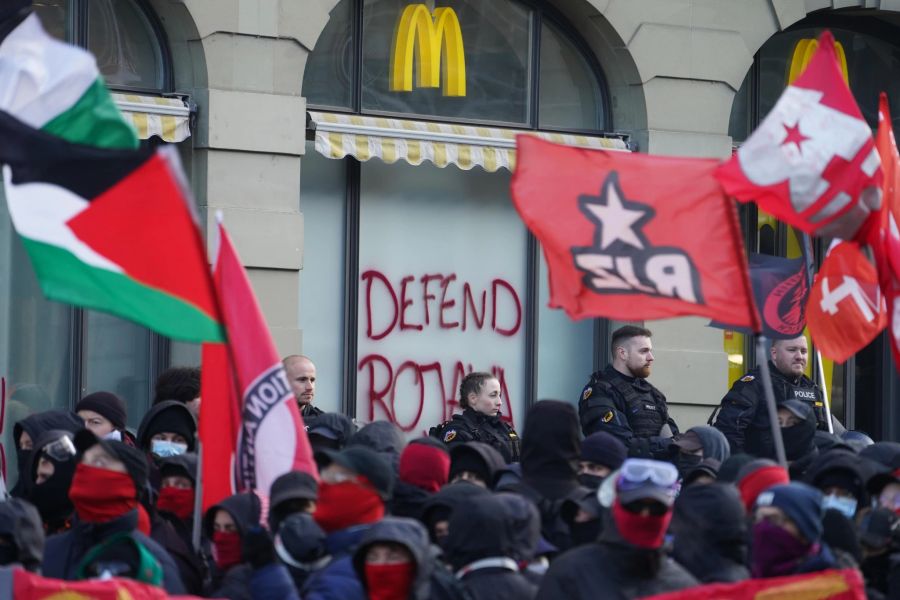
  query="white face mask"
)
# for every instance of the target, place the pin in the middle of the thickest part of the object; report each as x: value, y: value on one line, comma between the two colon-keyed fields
x: 165, y: 448
x: 115, y: 435
x: 845, y: 506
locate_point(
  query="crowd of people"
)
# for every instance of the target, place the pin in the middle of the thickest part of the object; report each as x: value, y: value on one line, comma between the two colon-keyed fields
x: 606, y: 500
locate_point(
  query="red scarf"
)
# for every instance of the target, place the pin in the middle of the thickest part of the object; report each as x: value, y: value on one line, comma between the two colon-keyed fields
x: 101, y: 495
x: 345, y: 504
x: 226, y: 549
x: 178, y: 501
x: 390, y: 582
x: 642, y: 531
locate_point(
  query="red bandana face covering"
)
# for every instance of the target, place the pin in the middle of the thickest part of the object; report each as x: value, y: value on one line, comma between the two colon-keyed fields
x: 348, y: 503
x: 642, y: 531
x: 227, y: 549
x: 178, y: 501
x: 390, y: 582
x: 101, y: 495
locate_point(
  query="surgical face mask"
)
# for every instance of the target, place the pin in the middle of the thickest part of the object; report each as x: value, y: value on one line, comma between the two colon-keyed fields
x: 846, y: 506
x: 165, y: 448
x: 115, y: 435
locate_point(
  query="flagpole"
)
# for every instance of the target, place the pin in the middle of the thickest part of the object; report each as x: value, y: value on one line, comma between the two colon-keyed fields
x: 824, y: 390
x: 198, y: 497
x: 769, y: 393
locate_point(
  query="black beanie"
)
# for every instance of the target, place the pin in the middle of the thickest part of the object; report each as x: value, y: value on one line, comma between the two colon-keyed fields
x: 169, y: 416
x: 134, y: 460
x: 604, y: 449
x: 106, y: 404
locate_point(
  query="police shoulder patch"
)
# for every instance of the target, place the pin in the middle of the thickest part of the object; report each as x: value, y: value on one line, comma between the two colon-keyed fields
x: 587, y: 393
x: 747, y: 378
x: 449, y: 436
x: 608, y: 416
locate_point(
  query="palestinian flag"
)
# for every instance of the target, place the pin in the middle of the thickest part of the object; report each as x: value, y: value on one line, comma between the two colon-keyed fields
x: 110, y: 230
x: 56, y: 87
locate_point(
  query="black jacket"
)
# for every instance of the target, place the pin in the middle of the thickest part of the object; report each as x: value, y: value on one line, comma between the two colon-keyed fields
x: 35, y: 425
x: 440, y: 506
x: 629, y: 408
x: 20, y: 522
x: 408, y: 500
x: 63, y: 552
x: 487, y: 542
x: 384, y: 438
x: 51, y: 497
x: 245, y: 509
x: 612, y: 569
x: 472, y: 426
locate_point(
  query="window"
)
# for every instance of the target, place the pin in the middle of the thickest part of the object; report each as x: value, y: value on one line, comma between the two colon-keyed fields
x: 122, y: 34
x: 523, y: 67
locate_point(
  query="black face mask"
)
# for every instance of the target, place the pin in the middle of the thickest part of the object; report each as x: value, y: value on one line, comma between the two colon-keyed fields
x: 586, y: 532
x: 51, y: 497
x: 686, y: 462
x: 9, y: 553
x: 798, y: 439
x: 591, y: 482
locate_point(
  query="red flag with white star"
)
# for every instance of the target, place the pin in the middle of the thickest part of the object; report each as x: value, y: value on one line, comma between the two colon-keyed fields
x: 624, y: 245
x: 812, y: 161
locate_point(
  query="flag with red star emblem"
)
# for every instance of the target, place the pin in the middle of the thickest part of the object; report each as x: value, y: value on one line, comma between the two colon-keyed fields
x: 632, y: 236
x: 812, y: 161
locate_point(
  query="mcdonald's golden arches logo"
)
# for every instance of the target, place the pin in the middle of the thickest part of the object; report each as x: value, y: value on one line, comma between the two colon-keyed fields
x: 804, y: 51
x: 437, y: 45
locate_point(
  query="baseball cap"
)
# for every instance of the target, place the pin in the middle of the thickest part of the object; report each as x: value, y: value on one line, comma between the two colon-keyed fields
x: 643, y: 479
x: 293, y: 485
x: 688, y: 442
x: 364, y: 462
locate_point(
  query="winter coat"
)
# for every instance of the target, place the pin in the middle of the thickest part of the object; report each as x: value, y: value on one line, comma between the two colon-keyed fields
x: 338, y: 580
x: 63, y: 552
x: 21, y: 523
x: 431, y: 582
x: 408, y: 500
x: 245, y: 510
x: 473, y: 426
x: 488, y: 541
x: 440, y: 506
x: 710, y: 533
x: 189, y: 564
x: 612, y: 569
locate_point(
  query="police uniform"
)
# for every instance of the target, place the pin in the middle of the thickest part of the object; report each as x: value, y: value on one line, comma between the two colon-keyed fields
x: 744, y: 418
x: 629, y: 408
x: 473, y: 426
x: 308, y: 411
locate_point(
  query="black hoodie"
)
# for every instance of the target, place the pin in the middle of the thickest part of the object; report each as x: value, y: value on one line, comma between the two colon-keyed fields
x: 710, y: 529
x: 440, y: 506
x: 34, y: 426
x: 51, y: 497
x: 21, y: 523
x: 384, y: 438
x: 245, y: 510
x: 178, y: 417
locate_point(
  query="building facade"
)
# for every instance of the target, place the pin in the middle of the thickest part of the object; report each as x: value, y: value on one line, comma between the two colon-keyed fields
x: 362, y: 163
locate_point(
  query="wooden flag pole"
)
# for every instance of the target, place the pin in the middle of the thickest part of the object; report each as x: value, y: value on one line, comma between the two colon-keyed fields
x: 824, y: 390
x: 766, y: 375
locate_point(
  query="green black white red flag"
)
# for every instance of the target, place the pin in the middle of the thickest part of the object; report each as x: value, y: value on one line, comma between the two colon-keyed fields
x: 110, y: 230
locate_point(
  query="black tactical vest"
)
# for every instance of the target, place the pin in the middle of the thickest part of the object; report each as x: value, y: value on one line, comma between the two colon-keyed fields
x: 645, y: 409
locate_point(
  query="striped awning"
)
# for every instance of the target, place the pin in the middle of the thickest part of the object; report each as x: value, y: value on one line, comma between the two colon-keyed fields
x: 167, y: 118
x: 466, y: 146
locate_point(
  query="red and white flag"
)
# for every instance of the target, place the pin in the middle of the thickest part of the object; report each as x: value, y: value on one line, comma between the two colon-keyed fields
x: 812, y: 161
x: 251, y: 433
x: 884, y: 236
x: 845, y: 310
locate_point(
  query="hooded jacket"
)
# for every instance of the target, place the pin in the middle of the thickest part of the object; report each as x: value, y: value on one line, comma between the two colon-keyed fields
x: 64, y: 551
x: 855, y: 466
x: 430, y: 583
x: 175, y: 410
x: 715, y: 444
x: 384, y: 438
x: 245, y: 510
x: 51, y: 497
x: 489, y: 541
x: 34, y: 426
x: 612, y: 569
x: 710, y: 529
x: 21, y: 523
x: 441, y: 506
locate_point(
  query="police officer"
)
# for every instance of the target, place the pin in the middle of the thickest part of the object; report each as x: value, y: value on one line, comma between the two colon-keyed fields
x: 621, y: 401
x: 479, y: 396
x: 743, y: 416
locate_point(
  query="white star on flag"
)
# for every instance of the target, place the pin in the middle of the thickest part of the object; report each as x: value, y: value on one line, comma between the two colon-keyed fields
x: 616, y: 221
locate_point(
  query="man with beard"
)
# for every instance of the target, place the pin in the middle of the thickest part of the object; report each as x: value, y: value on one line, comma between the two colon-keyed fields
x: 743, y: 416
x: 620, y: 400
x: 301, y: 374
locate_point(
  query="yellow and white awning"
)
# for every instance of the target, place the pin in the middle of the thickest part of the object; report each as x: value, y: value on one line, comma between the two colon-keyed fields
x: 167, y: 118
x: 466, y: 146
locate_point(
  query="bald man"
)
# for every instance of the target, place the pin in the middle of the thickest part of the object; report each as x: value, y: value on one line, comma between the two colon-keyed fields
x: 301, y: 373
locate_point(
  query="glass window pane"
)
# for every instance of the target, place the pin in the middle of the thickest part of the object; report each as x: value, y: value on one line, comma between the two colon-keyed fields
x: 496, y: 36
x: 739, y: 125
x: 35, y: 341
x: 570, y: 94
x: 54, y: 15
x: 328, y: 77
x: 565, y: 348
x: 117, y: 359
x: 322, y: 202
x: 442, y: 290
x: 125, y: 44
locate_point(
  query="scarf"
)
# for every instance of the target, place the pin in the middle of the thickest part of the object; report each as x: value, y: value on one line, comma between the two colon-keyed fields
x: 390, y: 582
x: 642, y: 531
x: 178, y: 501
x: 345, y: 504
x: 101, y: 495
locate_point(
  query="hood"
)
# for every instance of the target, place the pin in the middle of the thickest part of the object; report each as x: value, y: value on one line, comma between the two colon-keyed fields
x: 498, y: 525
x: 245, y: 509
x: 713, y: 512
x: 51, y: 497
x: 551, y: 447
x: 407, y: 532
x: 715, y: 444
x: 21, y: 521
x: 855, y: 466
x: 182, y: 464
x: 886, y: 453
x: 492, y: 459
x: 441, y: 505
x: 173, y: 409
x: 38, y: 423
x: 384, y: 438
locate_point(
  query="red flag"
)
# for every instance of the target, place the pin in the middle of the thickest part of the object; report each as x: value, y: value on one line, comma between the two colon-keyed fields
x: 270, y: 438
x: 885, y: 236
x: 846, y: 584
x: 30, y: 586
x: 845, y: 310
x: 812, y: 161
x: 220, y: 423
x: 631, y: 236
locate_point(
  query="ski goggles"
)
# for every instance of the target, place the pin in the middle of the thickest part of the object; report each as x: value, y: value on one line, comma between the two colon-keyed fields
x: 61, y: 449
x: 638, y: 471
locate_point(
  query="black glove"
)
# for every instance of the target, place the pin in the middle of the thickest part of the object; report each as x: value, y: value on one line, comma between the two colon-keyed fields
x: 257, y: 547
